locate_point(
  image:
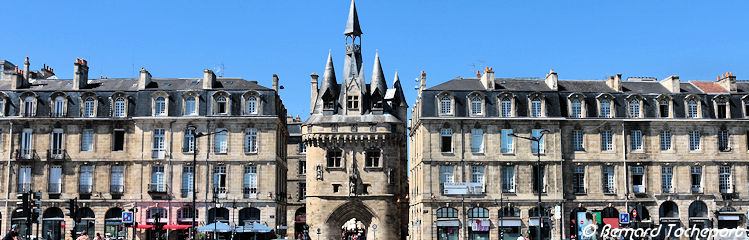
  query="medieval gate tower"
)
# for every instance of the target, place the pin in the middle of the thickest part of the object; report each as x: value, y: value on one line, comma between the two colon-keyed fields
x: 356, y: 150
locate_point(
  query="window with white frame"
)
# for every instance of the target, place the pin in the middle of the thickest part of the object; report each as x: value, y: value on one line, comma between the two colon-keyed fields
x: 446, y: 139
x: 250, y: 140
x: 607, y: 140
x: 537, y: 146
x: 694, y: 140
x: 508, y: 179
x: 222, y: 105
x: 117, y: 179
x: 577, y: 140
x: 188, y: 142
x: 609, y: 179
x: 723, y: 141
x: 638, y: 179
x: 251, y: 105
x: 536, y: 110
x: 119, y: 107
x: 724, y: 180
x: 696, y: 178
x: 157, y: 179
x: 55, y: 180
x: 665, y: 140
x: 634, y: 108
x: 89, y: 107
x: 352, y: 102
x: 578, y: 179
x: 476, y: 108
x: 664, y: 108
x: 446, y: 175
x: 576, y: 108
x: 86, y: 179
x: 445, y: 105
x: 26, y: 143
x: 372, y: 158
x: 59, y: 110
x: 605, y: 108
x: 24, y: 179
x: 477, y: 174
x: 188, y: 173
x: 721, y: 108
x: 692, y: 109
x: 507, y: 141
x: 2, y: 106
x: 159, y: 146
x: 219, y: 141
x: 159, y: 106
x: 87, y: 140
x: 28, y: 107
x: 667, y: 177
x: 477, y: 140
x: 250, y: 182
x: 219, y: 179
x: 635, y: 137
x: 506, y: 107
x: 57, y: 144
x: 191, y: 106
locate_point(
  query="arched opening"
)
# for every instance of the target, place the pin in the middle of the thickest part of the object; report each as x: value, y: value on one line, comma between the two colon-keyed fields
x: 52, y: 220
x: 669, y: 214
x: 447, y: 223
x: 342, y: 216
x: 728, y: 217
x: 610, y: 216
x: 87, y: 221
x: 249, y: 214
x: 698, y: 215
x: 112, y: 222
x: 218, y: 214
x: 509, y: 223
x: 300, y: 223
x: 533, y: 223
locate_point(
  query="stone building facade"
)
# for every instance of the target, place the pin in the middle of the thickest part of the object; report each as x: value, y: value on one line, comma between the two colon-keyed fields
x: 356, y: 150
x: 667, y: 151
x: 120, y: 144
x: 296, y: 178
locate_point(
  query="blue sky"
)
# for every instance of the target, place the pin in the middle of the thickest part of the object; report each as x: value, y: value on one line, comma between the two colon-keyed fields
x: 697, y: 40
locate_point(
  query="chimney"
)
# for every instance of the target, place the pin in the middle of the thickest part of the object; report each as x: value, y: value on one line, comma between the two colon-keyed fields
x: 275, y: 82
x: 551, y: 80
x: 672, y: 84
x: 727, y: 81
x: 144, y: 78
x: 80, y: 74
x: 615, y: 82
x: 209, y: 79
x: 313, y: 91
x: 26, y: 68
x: 422, y: 82
x: 14, y: 77
x: 488, y: 78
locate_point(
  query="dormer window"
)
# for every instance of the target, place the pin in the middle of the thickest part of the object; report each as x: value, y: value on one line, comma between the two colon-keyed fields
x: 693, y: 107
x: 634, y: 108
x: 376, y: 100
x: 604, y: 106
x: 191, y: 105
x: 352, y: 102
x: 29, y: 109
x: 746, y: 107
x: 251, y: 105
x: 476, y: 106
x: 222, y: 105
x: 721, y: 107
x: 663, y: 108
x: 159, y: 106
x: 505, y: 107
x: 89, y: 107
x: 446, y: 104
x: 475, y: 101
x: 577, y: 106
x: 537, y: 105
x: 2, y: 106
x: 120, y: 109
x: 59, y: 107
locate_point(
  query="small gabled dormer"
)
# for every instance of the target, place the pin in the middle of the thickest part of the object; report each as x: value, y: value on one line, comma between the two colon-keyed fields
x: 537, y: 106
x: 446, y: 104
x: 722, y: 106
x: 665, y: 106
x: 577, y: 105
x: 506, y: 104
x: 693, y: 106
x: 477, y: 101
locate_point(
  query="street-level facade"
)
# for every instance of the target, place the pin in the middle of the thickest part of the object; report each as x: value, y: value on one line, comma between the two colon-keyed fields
x: 120, y: 144
x: 666, y: 151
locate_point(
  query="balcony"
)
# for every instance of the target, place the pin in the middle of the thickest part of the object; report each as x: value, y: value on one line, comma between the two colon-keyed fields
x: 249, y: 192
x: 219, y: 192
x: 638, y: 188
x: 158, y: 154
x: 667, y: 189
x: 85, y: 188
x: 116, y: 189
x: 186, y: 192
x: 156, y: 188
x: 23, y: 187
x: 55, y: 188
x: 696, y: 189
x: 57, y: 154
x: 26, y: 154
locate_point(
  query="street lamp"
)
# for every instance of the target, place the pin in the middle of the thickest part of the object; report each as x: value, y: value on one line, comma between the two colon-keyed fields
x: 195, y: 136
x: 538, y: 140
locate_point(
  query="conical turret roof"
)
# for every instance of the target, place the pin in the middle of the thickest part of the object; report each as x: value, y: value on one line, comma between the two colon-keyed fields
x: 328, y: 80
x: 378, y: 78
x: 352, y: 25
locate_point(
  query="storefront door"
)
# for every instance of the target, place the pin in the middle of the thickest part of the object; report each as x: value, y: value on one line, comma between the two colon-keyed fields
x: 52, y: 229
x: 478, y: 235
x: 447, y: 233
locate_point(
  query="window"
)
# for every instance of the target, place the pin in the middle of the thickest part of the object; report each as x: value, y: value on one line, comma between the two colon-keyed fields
x: 251, y: 105
x: 665, y: 140
x: 250, y: 140
x: 302, y: 148
x: 219, y: 142
x: 607, y: 140
x: 694, y: 140
x: 536, y: 107
x: 157, y: 179
x: 446, y: 175
x: 188, y: 173
x: 506, y: 107
x: 723, y: 141
x: 635, y: 137
x: 577, y: 108
x: 536, y: 181
x: 746, y: 108
x: 116, y: 182
x: 445, y: 105
x: 336, y: 187
x: 159, y: 106
x: 26, y: 143
x: 577, y: 140
x: 634, y: 108
x: 57, y: 146
x: 537, y: 147
x: 159, y: 148
x: 250, y: 182
x: 118, y: 144
x: 507, y: 141
x: 59, y: 107
x: 352, y: 102
x: 578, y: 179
x: 508, y: 179
x: 189, y: 140
x: 638, y: 179
x: 447, y: 213
x: 667, y: 177
x: 446, y: 137
x: 692, y: 109
x: 477, y: 174
x: 119, y: 107
x: 24, y: 179
x: 302, y: 191
x: 334, y: 158
x: 219, y: 179
x: 2, y: 106
x: 221, y: 105
x: 28, y: 107
x: 608, y: 179
x: 86, y: 179
x: 55, y: 180
x: 477, y: 140
x: 605, y: 108
x: 478, y: 212
x: 87, y: 140
x: 328, y: 103
x: 476, y: 106
x: 724, y: 181
x: 696, y: 179
x: 372, y: 158
x: 302, y: 167
x: 88, y: 107
x: 722, y: 109
x: 663, y: 108
x: 190, y: 106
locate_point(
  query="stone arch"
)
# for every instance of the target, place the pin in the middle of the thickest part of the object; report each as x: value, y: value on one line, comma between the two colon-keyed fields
x: 344, y: 212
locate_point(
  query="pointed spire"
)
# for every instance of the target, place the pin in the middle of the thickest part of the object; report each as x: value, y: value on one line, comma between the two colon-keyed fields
x: 396, y: 79
x: 352, y: 25
x: 399, y: 91
x: 378, y: 78
x: 328, y: 79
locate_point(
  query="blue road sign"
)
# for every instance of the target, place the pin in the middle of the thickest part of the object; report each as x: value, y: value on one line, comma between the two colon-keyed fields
x: 127, y: 217
x: 624, y: 218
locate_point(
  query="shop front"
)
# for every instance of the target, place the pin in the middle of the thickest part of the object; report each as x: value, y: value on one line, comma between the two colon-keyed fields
x: 728, y: 217
x: 509, y: 223
x: 448, y: 225
x: 669, y: 218
x: 52, y: 224
x: 698, y: 218
x: 478, y: 220
x: 113, y: 223
x: 535, y: 224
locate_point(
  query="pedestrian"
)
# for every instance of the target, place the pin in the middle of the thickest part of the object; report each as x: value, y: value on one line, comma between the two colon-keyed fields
x: 98, y: 237
x: 84, y: 236
x: 12, y: 234
x: 107, y: 236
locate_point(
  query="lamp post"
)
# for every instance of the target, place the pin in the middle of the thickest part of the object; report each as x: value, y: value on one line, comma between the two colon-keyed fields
x: 195, y: 136
x: 538, y: 140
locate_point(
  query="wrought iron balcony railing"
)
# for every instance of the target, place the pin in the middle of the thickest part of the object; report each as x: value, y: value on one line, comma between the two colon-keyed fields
x: 157, y: 188
x: 26, y: 154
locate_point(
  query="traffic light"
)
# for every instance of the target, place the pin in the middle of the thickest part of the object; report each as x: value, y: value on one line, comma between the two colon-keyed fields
x: 23, y: 204
x: 73, y: 209
x: 119, y: 228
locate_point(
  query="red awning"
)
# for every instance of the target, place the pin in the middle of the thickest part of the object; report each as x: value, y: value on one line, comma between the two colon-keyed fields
x: 177, y: 227
x: 144, y: 226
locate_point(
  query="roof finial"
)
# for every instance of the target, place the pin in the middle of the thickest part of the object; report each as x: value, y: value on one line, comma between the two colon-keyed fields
x: 352, y: 25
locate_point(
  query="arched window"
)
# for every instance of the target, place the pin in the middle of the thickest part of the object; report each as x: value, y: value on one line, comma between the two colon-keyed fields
x: 251, y: 105
x: 506, y: 105
x: 447, y: 213
x: 59, y: 107
x: 185, y: 214
x: 577, y: 108
x: 190, y: 106
x: 509, y: 212
x: 88, y: 107
x: 698, y: 209
x: 692, y: 109
x: 28, y: 107
x: 221, y: 105
x: 154, y: 212
x: 249, y: 214
x: 536, y: 107
x: 533, y: 212
x: 478, y: 212
x: 159, y: 106
x: 605, y: 110
x: 634, y: 108
x: 445, y: 105
x: 669, y: 209
x: 476, y: 106
x: 218, y: 214
x: 119, y: 107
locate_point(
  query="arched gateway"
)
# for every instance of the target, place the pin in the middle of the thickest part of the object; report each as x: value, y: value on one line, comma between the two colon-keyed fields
x: 352, y: 219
